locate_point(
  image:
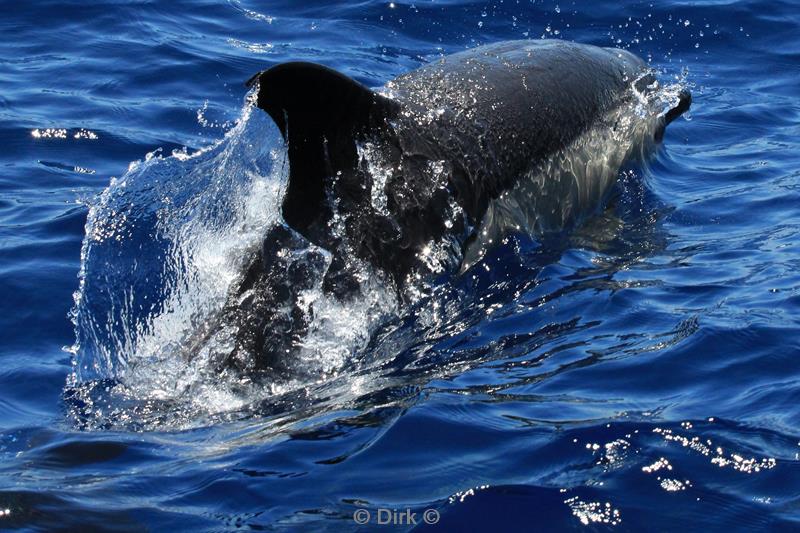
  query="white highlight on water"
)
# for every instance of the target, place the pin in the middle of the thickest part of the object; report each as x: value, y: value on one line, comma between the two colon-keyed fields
x: 164, y: 245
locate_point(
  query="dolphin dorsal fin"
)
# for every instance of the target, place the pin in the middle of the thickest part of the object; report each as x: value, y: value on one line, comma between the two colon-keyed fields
x: 321, y: 113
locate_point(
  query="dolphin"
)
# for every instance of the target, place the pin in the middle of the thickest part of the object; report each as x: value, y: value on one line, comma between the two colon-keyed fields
x: 425, y: 174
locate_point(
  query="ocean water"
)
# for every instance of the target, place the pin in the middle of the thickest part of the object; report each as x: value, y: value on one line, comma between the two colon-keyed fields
x: 640, y: 371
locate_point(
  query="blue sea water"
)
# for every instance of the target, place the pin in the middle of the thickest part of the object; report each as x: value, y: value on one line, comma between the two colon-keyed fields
x: 641, y: 371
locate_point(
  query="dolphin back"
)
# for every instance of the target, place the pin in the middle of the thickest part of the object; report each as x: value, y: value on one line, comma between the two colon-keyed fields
x: 520, y: 135
x: 455, y: 135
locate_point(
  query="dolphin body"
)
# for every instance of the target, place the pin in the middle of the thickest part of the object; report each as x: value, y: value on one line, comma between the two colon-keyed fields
x: 518, y: 135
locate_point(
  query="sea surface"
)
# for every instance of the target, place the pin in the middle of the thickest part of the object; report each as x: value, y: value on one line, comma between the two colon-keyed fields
x: 638, y: 372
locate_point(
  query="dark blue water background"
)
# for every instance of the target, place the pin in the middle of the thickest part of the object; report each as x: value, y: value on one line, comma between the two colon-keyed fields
x: 639, y: 372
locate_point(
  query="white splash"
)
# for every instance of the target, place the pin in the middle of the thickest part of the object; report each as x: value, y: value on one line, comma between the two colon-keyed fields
x: 164, y: 245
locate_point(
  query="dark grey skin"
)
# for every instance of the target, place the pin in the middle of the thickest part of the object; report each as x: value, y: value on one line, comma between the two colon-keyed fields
x: 452, y: 136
